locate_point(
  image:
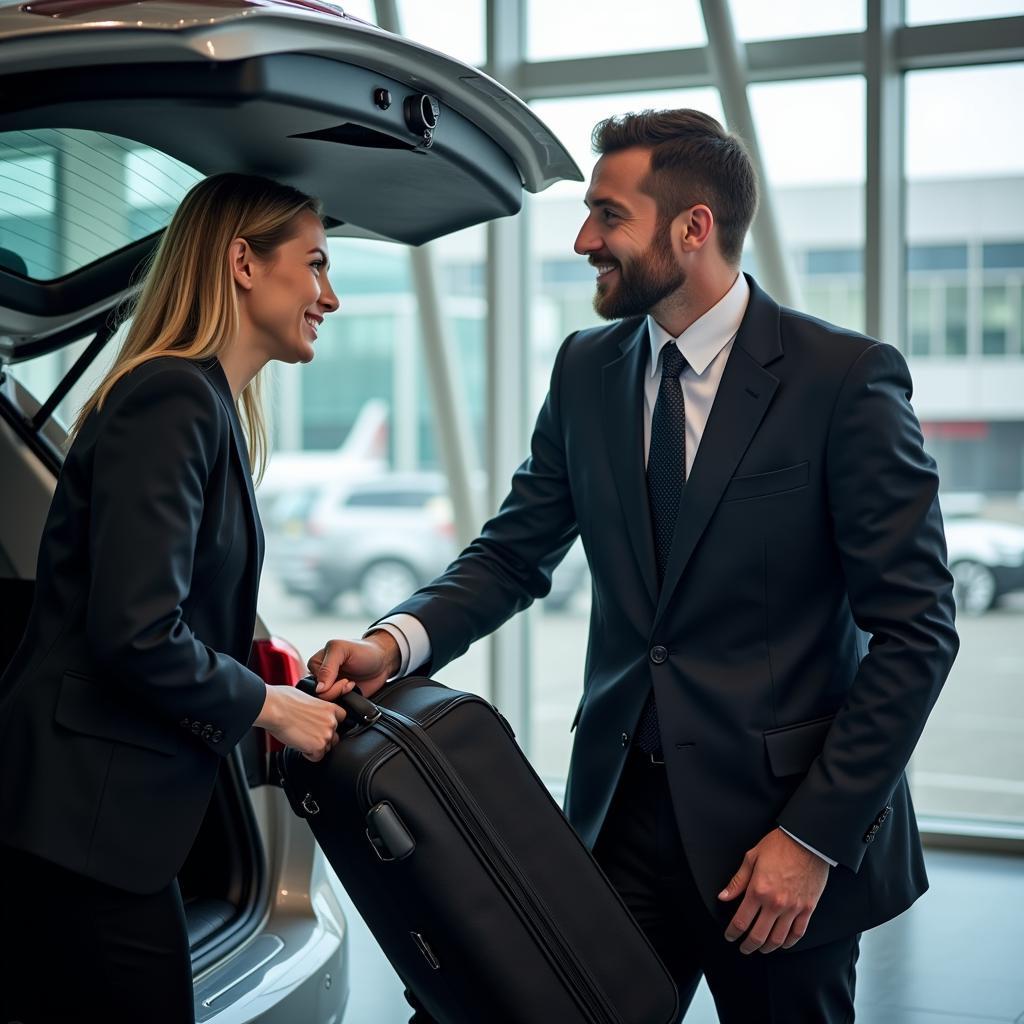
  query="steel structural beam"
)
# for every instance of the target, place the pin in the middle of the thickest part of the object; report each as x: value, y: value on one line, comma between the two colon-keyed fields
x: 455, y: 440
x: 884, y: 192
x: 729, y: 65
x: 508, y: 355
x: 987, y: 41
x: 690, y: 67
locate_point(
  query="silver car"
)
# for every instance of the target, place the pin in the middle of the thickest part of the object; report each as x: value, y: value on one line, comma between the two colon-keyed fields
x: 986, y: 558
x: 381, y: 537
x: 110, y: 112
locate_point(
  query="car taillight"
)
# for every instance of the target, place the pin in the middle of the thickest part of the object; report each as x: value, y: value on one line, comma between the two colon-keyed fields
x: 277, y: 663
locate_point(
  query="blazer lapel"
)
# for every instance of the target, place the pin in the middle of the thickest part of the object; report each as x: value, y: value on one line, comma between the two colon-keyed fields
x: 744, y: 394
x: 622, y: 393
x: 215, y: 374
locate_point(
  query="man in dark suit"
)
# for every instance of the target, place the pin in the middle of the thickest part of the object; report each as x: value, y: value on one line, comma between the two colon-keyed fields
x: 772, y: 618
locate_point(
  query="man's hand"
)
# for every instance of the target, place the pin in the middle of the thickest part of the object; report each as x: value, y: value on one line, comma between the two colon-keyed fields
x: 783, y: 882
x: 342, y: 664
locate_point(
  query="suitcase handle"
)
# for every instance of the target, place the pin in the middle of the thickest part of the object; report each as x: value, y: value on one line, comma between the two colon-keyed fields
x: 360, y: 713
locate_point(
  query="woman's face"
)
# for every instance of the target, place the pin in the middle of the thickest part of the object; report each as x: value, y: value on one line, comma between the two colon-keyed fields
x: 289, y: 295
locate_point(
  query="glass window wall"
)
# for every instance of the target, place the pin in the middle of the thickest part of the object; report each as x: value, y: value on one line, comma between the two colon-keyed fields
x: 815, y: 178
x: 585, y: 28
x: 924, y: 12
x: 965, y: 264
x: 756, y: 20
x: 355, y: 439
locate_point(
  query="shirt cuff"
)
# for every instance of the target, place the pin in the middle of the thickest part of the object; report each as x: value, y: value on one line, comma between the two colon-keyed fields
x: 807, y: 846
x: 411, y: 637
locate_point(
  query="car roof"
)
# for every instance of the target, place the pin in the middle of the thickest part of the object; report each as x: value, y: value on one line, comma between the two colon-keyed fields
x: 284, y: 88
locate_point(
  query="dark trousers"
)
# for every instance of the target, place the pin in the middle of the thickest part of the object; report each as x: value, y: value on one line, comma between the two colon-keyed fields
x: 79, y: 950
x: 640, y: 850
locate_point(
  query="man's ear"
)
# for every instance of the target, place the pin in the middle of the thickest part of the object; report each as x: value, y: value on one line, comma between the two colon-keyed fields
x: 692, y: 228
x: 240, y: 257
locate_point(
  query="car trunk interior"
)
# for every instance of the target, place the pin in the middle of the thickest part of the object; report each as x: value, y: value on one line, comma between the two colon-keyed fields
x: 222, y: 877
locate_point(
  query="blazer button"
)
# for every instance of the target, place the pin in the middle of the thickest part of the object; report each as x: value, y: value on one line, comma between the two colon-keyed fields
x: 659, y: 654
x: 184, y: 723
x: 207, y: 731
x: 196, y: 728
x: 217, y: 736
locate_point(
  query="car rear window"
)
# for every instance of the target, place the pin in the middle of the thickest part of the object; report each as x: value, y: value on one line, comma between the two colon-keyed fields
x: 69, y: 197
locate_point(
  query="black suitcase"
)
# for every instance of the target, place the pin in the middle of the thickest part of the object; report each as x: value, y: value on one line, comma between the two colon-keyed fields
x: 482, y: 896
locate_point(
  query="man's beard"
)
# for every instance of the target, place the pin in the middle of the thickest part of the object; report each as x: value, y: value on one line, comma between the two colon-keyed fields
x: 650, y: 278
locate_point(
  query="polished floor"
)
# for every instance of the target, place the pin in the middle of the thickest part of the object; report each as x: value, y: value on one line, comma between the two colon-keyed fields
x: 956, y: 958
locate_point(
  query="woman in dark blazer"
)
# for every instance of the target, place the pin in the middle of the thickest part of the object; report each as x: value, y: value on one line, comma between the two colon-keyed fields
x: 131, y: 684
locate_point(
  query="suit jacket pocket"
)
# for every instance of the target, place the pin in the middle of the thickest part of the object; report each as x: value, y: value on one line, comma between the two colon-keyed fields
x: 87, y: 706
x: 792, y: 748
x: 758, y: 485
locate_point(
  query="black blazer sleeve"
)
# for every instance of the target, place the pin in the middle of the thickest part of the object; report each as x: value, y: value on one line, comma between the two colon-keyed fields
x: 882, y: 490
x: 152, y: 459
x: 510, y: 564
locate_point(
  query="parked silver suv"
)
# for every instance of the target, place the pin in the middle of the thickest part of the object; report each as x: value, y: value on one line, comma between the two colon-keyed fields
x: 381, y: 537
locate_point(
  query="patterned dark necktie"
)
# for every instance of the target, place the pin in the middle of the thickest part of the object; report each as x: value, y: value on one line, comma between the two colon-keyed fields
x: 666, y: 475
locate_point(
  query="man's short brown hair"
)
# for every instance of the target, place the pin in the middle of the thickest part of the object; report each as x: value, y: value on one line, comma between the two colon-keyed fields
x: 693, y: 160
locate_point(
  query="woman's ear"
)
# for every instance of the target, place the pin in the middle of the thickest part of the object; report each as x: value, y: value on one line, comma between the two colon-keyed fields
x: 241, y: 258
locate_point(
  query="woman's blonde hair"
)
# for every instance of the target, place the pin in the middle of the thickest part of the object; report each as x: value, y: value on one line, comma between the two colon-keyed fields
x: 186, y: 305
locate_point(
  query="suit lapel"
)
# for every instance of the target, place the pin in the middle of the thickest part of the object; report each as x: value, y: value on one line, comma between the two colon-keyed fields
x: 622, y: 394
x: 215, y: 374
x: 744, y: 394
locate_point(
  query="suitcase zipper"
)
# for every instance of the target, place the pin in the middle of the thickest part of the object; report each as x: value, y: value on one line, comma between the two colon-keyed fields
x: 409, y: 736
x: 365, y: 775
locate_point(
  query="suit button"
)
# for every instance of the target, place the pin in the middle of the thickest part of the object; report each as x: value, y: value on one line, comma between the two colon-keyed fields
x: 207, y: 731
x: 625, y: 739
x: 217, y: 736
x: 196, y: 728
x: 184, y: 723
x: 659, y: 654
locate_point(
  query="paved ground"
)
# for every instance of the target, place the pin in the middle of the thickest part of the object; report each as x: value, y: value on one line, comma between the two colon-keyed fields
x: 969, y: 763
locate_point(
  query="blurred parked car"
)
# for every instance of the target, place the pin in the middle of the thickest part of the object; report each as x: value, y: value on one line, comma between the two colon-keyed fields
x: 986, y: 558
x: 111, y: 111
x: 381, y: 537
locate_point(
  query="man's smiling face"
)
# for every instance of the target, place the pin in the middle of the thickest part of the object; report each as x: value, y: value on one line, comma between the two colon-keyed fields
x: 624, y: 238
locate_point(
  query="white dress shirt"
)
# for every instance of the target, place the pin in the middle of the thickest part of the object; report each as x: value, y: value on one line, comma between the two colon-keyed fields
x: 706, y: 344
